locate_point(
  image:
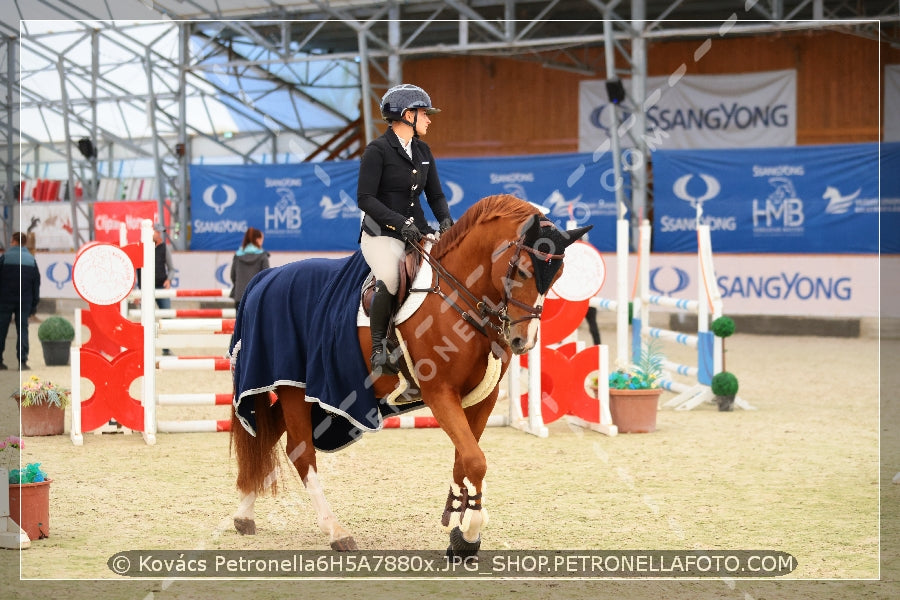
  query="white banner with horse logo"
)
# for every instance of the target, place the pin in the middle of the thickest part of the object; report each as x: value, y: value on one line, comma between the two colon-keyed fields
x: 699, y: 111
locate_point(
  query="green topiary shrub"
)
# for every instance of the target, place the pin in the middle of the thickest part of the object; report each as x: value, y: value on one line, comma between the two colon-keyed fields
x: 724, y: 384
x: 56, y: 329
x: 723, y: 327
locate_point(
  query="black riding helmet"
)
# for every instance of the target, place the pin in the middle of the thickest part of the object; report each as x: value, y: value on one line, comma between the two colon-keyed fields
x: 403, y: 97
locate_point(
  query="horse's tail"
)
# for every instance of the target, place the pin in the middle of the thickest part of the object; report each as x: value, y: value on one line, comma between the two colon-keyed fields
x: 257, y: 456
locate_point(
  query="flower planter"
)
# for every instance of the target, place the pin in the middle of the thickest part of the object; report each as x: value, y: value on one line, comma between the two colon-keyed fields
x: 634, y: 411
x: 29, y: 507
x: 56, y: 353
x: 43, y: 419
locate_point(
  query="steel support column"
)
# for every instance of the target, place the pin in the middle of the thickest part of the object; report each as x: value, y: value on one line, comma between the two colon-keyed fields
x: 638, y: 166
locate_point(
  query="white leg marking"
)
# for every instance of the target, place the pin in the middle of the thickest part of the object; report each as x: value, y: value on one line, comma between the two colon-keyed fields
x: 245, y: 507
x: 327, y: 520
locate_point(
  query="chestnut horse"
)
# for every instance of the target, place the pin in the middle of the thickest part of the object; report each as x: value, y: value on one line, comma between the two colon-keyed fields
x: 490, y: 273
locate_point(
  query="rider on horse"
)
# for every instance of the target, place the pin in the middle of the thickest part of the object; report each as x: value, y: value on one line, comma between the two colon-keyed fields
x: 394, y: 170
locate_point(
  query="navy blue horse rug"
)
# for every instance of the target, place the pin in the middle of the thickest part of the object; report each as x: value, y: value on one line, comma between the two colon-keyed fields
x: 296, y: 325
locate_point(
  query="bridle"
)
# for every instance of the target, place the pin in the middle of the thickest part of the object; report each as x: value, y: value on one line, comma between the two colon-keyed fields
x: 489, y: 317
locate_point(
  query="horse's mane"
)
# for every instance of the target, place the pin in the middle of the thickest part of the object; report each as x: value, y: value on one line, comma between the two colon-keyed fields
x: 500, y: 206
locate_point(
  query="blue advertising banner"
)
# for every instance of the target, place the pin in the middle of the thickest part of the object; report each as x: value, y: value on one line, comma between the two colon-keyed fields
x: 805, y: 199
x: 309, y: 206
x: 890, y: 198
x: 312, y: 207
x: 570, y: 186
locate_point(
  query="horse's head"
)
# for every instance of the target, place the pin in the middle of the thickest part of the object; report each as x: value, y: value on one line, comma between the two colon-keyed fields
x: 527, y: 282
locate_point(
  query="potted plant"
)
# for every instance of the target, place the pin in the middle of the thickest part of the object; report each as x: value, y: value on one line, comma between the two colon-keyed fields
x: 725, y: 387
x: 43, y: 406
x: 28, y: 492
x: 56, y: 335
x: 724, y: 384
x: 634, y: 392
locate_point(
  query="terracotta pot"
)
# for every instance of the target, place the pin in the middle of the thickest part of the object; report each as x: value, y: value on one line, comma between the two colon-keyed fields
x: 634, y: 411
x: 43, y: 419
x: 29, y: 507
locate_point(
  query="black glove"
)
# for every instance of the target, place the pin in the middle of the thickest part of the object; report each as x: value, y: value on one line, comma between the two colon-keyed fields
x: 446, y: 224
x: 410, y: 232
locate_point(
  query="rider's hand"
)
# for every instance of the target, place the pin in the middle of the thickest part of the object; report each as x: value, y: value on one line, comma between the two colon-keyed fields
x: 446, y: 224
x: 410, y: 232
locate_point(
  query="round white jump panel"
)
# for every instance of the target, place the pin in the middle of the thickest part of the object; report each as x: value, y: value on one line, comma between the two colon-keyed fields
x: 583, y: 274
x: 103, y: 274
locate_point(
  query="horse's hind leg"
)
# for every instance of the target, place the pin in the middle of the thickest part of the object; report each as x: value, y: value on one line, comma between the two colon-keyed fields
x: 244, y: 518
x: 302, y: 453
x: 256, y: 457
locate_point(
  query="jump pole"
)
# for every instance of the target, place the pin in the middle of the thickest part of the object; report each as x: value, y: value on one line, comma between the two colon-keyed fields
x: 619, y: 304
x: 148, y: 322
x: 707, y: 306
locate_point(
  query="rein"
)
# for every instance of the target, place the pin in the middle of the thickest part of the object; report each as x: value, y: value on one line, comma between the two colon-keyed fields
x: 483, y: 308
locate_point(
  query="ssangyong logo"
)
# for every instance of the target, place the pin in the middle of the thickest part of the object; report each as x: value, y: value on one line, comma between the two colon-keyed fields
x: 668, y: 280
x: 712, y: 185
x: 707, y: 188
x: 210, y: 196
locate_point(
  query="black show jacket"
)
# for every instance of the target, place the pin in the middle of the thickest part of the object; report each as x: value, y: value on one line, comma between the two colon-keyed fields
x: 385, y: 190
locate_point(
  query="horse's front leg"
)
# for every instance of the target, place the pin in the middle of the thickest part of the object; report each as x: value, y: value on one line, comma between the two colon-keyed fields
x: 464, y: 514
x: 464, y: 507
x: 302, y: 453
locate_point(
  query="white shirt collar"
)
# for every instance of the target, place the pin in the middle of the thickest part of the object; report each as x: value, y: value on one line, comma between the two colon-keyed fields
x: 407, y: 146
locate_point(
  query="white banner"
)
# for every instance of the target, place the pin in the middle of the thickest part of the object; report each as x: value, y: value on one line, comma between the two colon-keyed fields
x: 759, y: 284
x: 891, y: 103
x: 699, y: 111
x: 51, y: 223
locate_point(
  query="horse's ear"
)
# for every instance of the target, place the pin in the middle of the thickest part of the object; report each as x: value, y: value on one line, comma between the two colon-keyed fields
x: 531, y: 229
x: 573, y: 235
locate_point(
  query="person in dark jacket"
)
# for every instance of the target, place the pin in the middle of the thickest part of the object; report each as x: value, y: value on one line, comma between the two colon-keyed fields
x: 164, y: 268
x: 163, y: 265
x: 393, y: 171
x: 249, y: 260
x: 20, y: 292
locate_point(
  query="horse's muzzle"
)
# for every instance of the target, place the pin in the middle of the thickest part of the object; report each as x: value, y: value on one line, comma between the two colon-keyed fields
x: 520, y: 345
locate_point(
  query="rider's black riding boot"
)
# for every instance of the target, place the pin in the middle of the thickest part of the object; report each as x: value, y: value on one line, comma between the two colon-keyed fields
x: 379, y: 318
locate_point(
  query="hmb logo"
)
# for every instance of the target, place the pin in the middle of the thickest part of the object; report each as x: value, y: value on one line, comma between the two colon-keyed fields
x: 782, y: 205
x: 285, y: 214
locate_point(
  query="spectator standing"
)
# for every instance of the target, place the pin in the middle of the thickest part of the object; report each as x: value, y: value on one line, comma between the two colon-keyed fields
x: 20, y: 292
x: 249, y: 260
x: 591, y: 319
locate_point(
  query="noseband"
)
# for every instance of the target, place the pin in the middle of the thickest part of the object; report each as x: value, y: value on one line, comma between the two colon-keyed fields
x: 493, y: 317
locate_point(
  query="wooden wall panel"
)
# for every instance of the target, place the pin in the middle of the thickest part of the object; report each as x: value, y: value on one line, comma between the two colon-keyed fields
x: 494, y: 106
x: 497, y: 106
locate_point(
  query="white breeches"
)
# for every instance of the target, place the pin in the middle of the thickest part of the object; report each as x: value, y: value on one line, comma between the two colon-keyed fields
x: 383, y: 254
